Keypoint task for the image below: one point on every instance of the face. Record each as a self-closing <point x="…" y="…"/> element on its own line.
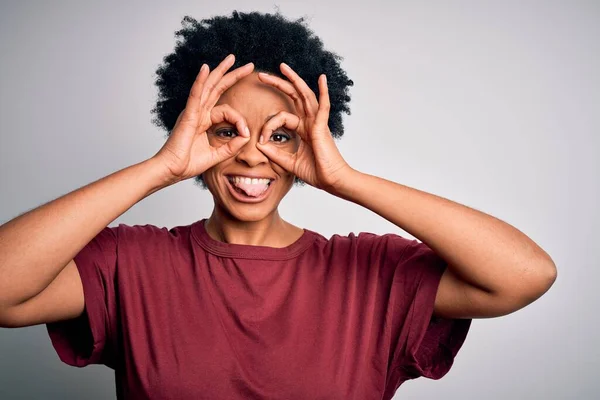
<point x="228" y="181"/>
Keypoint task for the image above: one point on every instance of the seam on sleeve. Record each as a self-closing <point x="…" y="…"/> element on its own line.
<point x="109" y="326"/>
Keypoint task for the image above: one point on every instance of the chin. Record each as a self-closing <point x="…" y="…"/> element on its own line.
<point x="248" y="214"/>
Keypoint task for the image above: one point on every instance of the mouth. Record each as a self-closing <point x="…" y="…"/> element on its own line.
<point x="249" y="190"/>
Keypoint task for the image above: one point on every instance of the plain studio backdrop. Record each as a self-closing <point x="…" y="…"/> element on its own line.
<point x="494" y="105"/>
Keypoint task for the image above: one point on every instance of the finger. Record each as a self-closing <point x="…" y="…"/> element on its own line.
<point x="308" y="96"/>
<point x="281" y="119"/>
<point x="215" y="76"/>
<point x="179" y="117"/>
<point x="229" y="149"/>
<point x="224" y="112"/>
<point x="191" y="107"/>
<point x="280" y="157"/>
<point x="322" y="117"/>
<point x="228" y="81"/>
<point x="286" y="87"/>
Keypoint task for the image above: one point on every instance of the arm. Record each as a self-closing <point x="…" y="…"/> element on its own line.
<point x="36" y="246"/>
<point x="493" y="268"/>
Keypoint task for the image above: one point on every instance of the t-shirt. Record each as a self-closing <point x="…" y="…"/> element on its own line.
<point x="180" y="315"/>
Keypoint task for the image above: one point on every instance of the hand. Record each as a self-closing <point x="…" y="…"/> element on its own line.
<point x="317" y="161"/>
<point x="187" y="153"/>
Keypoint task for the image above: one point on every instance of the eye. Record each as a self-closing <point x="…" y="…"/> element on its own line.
<point x="280" y="137"/>
<point x="228" y="133"/>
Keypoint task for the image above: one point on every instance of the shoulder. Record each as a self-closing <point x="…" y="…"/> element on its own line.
<point x="365" y="238"/>
<point x="388" y="244"/>
<point x="149" y="234"/>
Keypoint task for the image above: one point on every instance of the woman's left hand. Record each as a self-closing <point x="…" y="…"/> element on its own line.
<point x="317" y="161"/>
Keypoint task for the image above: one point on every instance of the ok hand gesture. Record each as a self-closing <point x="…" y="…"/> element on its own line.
<point x="187" y="153"/>
<point x="317" y="161"/>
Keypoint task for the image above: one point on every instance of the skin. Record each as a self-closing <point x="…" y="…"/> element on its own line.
<point x="493" y="268"/>
<point x="256" y="224"/>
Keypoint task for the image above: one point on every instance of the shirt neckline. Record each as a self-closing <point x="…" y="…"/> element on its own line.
<point x="249" y="251"/>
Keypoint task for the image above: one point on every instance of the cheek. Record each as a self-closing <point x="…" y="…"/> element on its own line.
<point x="210" y="177"/>
<point x="208" y="182"/>
<point x="290" y="147"/>
<point x="286" y="180"/>
<point x="283" y="174"/>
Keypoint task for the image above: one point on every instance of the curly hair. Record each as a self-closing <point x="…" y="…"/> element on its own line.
<point x="264" y="39"/>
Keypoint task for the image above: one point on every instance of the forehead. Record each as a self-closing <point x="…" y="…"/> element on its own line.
<point x="253" y="98"/>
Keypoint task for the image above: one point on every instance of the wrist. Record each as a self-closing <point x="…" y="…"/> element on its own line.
<point x="161" y="176"/>
<point x="346" y="185"/>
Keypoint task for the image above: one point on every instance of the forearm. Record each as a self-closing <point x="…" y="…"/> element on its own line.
<point x="481" y="249"/>
<point x="36" y="246"/>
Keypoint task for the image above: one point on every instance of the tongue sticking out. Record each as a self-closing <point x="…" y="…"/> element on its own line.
<point x="250" y="189"/>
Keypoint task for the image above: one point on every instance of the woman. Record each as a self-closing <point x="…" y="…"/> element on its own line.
<point x="244" y="305"/>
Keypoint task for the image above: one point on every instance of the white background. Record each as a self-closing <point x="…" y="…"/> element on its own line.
<point x="494" y="105"/>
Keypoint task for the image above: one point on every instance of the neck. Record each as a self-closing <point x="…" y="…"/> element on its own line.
<point x="272" y="231"/>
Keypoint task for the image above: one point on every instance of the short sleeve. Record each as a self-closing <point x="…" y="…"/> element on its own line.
<point x="424" y="344"/>
<point x="90" y="338"/>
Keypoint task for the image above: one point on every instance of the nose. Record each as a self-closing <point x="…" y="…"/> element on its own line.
<point x="249" y="154"/>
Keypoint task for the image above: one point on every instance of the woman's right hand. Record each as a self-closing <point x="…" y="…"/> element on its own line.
<point x="187" y="152"/>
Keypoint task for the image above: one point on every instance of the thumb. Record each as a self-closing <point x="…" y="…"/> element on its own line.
<point x="230" y="148"/>
<point x="282" y="158"/>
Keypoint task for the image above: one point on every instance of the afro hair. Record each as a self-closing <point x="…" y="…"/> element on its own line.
<point x="267" y="40"/>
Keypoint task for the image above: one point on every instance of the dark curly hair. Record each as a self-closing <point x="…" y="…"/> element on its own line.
<point x="264" y="39"/>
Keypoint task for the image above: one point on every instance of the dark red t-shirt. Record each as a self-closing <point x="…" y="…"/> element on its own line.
<point x="179" y="315"/>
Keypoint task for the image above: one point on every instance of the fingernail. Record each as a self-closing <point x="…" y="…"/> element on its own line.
<point x="247" y="131"/>
<point x="262" y="74"/>
<point x="285" y="65"/>
<point x="229" y="57"/>
<point x="262" y="140"/>
<point x="324" y="78"/>
<point x="203" y="67"/>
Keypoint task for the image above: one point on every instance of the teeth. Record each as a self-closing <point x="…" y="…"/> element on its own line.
<point x="249" y="181"/>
